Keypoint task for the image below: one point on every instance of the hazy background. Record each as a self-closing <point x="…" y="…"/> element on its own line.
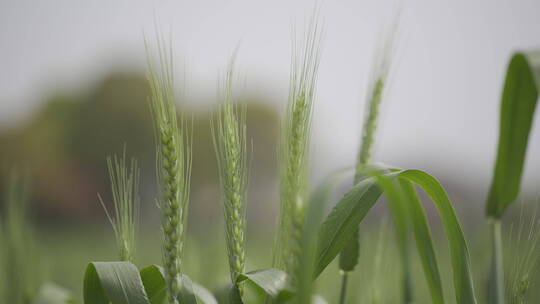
<point x="72" y="90"/>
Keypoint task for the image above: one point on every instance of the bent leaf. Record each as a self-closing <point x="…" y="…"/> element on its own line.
<point x="349" y="212"/>
<point x="343" y="220"/>
<point x="154" y="283"/>
<point x="519" y="98"/>
<point x="399" y="210"/>
<point x="260" y="283"/>
<point x="312" y="223"/>
<point x="459" y="251"/>
<point x="113" y="282"/>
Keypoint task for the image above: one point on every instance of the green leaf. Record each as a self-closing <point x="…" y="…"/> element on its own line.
<point x="259" y="283"/>
<point x="153" y="278"/>
<point x="187" y="295"/>
<point x="459" y="252"/>
<point x="349" y="212"/>
<point x="154" y="284"/>
<point x="113" y="282"/>
<point x="348" y="258"/>
<point x="312" y="223"/>
<point x="398" y="208"/>
<point x="404" y="203"/>
<point x="51" y="293"/>
<point x="343" y="220"/>
<point x="203" y="295"/>
<point x="519" y="98"/>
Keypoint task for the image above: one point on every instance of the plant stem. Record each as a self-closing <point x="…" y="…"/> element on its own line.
<point x="497" y="270"/>
<point x="343" y="291"/>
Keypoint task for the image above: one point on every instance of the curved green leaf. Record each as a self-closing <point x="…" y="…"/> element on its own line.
<point x="519" y="98"/>
<point x="187" y="295"/>
<point x="154" y="283"/>
<point x="312" y="223"/>
<point x="459" y="252"/>
<point x="113" y="282"/>
<point x="203" y="295"/>
<point x="398" y="207"/>
<point x="349" y="212"/>
<point x="343" y="220"/>
<point x="260" y="283"/>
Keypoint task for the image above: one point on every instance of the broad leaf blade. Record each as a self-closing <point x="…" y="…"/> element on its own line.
<point x="113" y="282"/>
<point x="312" y="223"/>
<point x="154" y="284"/>
<point x="343" y="220"/>
<point x="519" y="98"/>
<point x="263" y="282"/>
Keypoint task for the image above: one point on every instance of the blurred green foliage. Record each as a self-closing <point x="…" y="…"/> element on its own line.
<point x="64" y="146"/>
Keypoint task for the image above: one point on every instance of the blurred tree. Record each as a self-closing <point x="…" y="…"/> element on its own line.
<point x="65" y="144"/>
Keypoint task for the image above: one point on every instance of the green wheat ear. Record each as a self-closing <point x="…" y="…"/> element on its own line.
<point x="229" y="136"/>
<point x="173" y="167"/>
<point x="294" y="148"/>
<point x="377" y="86"/>
<point x="125" y="181"/>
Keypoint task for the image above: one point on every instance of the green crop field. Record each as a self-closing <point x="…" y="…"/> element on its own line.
<point x="319" y="251"/>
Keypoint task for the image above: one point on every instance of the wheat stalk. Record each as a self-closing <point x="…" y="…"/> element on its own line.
<point x="375" y="93"/>
<point x="295" y="139"/>
<point x="125" y="182"/>
<point x="173" y="168"/>
<point x="229" y="136"/>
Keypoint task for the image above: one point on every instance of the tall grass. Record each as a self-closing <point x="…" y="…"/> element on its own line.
<point x="173" y="167"/>
<point x="229" y="136"/>
<point x="294" y="149"/>
<point x="20" y="269"/>
<point x="125" y="193"/>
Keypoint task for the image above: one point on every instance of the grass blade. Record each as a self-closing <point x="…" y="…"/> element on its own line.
<point x="341" y="223"/>
<point x="459" y="252"/>
<point x="404" y="204"/>
<point x="314" y="218"/>
<point x="399" y="210"/>
<point x="263" y="282"/>
<point x="518" y="104"/>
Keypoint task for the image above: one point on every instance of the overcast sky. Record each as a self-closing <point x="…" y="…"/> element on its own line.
<point x="442" y="112"/>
